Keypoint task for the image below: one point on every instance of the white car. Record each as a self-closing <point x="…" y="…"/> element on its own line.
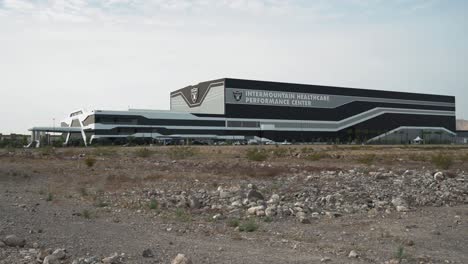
<point x="252" y="142"/>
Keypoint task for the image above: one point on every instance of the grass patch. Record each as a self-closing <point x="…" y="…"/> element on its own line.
<point x="143" y="153"/>
<point x="153" y="204"/>
<point x="90" y="161"/>
<point x="47" y="151"/>
<point x="316" y="156"/>
<point x="181" y="152"/>
<point x="280" y="152"/>
<point x="83" y="191"/>
<point x="182" y="215"/>
<point x="233" y="222"/>
<point x="101" y="204"/>
<point x="50" y="197"/>
<point x="442" y="161"/>
<point x="306" y="150"/>
<point x="86" y="214"/>
<point x="255" y="154"/>
<point x="400" y="253"/>
<point x="464" y="157"/>
<point x="104" y="151"/>
<point x="417" y="157"/>
<point x="248" y="226"/>
<point x="268" y="219"/>
<point x="367" y="159"/>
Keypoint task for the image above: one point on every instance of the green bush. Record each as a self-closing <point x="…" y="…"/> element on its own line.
<point x="50" y="197"/>
<point x="90" y="161"/>
<point x="57" y="143"/>
<point x="442" y="161"/>
<point x="181" y="152"/>
<point x="256" y="154"/>
<point x="153" y="204"/>
<point x="248" y="226"/>
<point x="143" y="153"/>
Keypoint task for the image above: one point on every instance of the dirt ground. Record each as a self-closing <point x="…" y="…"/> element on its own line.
<point x="317" y="204"/>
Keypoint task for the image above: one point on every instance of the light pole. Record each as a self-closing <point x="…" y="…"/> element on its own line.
<point x="53" y="130"/>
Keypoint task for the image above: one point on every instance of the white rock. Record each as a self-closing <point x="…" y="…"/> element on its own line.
<point x="275" y="198"/>
<point x="60" y="253"/>
<point x="253" y="210"/>
<point x="181" y="259"/>
<point x="51" y="259"/>
<point x="399" y="202"/>
<point x="236" y="204"/>
<point x="218" y="217"/>
<point x="113" y="259"/>
<point x="270" y="211"/>
<point x="224" y="194"/>
<point x="401" y="208"/>
<point x="439" y="176"/>
<point x="353" y="254"/>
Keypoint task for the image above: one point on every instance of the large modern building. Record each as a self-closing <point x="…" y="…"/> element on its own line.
<point x="235" y="109"/>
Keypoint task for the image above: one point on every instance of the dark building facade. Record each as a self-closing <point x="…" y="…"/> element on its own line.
<point x="239" y="109"/>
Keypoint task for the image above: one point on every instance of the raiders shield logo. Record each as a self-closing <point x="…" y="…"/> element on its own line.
<point x="237" y="95"/>
<point x="194" y="94"/>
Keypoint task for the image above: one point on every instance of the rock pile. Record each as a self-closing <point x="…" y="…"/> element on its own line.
<point x="305" y="196"/>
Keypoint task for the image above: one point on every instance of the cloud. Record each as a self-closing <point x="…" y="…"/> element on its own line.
<point x="114" y="53"/>
<point x="142" y="10"/>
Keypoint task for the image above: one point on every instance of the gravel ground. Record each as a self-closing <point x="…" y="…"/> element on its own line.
<point x="343" y="205"/>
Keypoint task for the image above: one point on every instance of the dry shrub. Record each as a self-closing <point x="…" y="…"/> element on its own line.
<point x="90" y="161"/>
<point x="153" y="177"/>
<point x="367" y="159"/>
<point x="248" y="226"/>
<point x="181" y="152"/>
<point x="115" y="182"/>
<point x="255" y="154"/>
<point x="464" y="157"/>
<point x="417" y="157"/>
<point x="316" y="156"/>
<point x="266" y="172"/>
<point x="143" y="153"/>
<point x="442" y="161"/>
<point x="105" y="151"/>
<point x="280" y="152"/>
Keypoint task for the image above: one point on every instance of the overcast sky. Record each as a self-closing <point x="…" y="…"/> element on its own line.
<point x="60" y="55"/>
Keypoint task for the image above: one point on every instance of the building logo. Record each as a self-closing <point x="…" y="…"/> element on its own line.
<point x="194" y="94"/>
<point x="237" y="95"/>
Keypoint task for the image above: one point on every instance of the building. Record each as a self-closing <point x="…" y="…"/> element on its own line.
<point x="236" y="109"/>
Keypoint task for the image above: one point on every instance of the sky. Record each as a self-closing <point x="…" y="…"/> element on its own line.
<point x="57" y="56"/>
